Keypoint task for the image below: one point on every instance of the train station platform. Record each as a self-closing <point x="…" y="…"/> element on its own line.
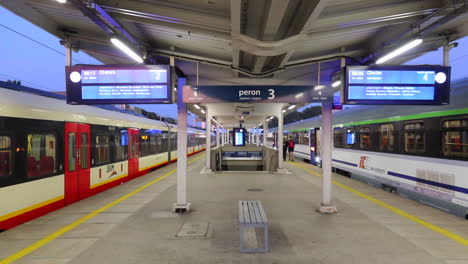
<point x="133" y="223"/>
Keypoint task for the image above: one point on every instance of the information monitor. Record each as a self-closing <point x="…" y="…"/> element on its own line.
<point x="397" y="85"/>
<point x="110" y="84"/>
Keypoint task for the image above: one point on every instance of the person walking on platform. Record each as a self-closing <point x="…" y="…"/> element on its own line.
<point x="285" y="148"/>
<point x="291" y="145"/>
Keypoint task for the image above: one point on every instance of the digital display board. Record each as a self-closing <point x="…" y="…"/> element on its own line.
<point x="118" y="84"/>
<point x="239" y="137"/>
<point x="399" y="85"/>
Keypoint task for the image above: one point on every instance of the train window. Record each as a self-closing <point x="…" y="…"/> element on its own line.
<point x="71" y="151"/>
<point x="102" y="150"/>
<point x="387" y="137"/>
<point x="144" y="144"/>
<point x="455" y="138"/>
<point x="365" y="138"/>
<point x="120" y="143"/>
<point x="133" y="146"/>
<point x="6" y="167"/>
<point x="41" y="155"/>
<point x="174" y="141"/>
<point x="84" y="151"/>
<point x="415" y="137"/>
<point x="338" y="137"/>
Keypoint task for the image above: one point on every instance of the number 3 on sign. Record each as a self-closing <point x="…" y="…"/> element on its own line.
<point x="271" y="94"/>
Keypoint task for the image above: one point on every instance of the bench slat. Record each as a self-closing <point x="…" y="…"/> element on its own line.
<point x="241" y="212"/>
<point x="246" y="213"/>
<point x="253" y="219"/>
<point x="258" y="216"/>
<point x="262" y="213"/>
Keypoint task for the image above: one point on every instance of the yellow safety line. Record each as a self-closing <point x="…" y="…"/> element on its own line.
<point x="69" y="227"/>
<point x="400" y="212"/>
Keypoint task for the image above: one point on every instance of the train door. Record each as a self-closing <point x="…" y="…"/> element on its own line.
<point x="314" y="144"/>
<point x="133" y="152"/>
<point x="77" y="161"/>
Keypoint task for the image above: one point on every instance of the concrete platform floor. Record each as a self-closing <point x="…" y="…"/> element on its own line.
<point x="142" y="229"/>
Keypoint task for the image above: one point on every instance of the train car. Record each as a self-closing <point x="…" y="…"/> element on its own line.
<point x="53" y="154"/>
<point x="420" y="152"/>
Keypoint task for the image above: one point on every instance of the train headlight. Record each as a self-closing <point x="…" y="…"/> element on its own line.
<point x="312" y="149"/>
<point x="317" y="159"/>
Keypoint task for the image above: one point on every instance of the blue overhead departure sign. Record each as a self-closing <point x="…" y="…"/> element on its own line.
<point x="257" y="94"/>
<point x="118" y="84"/>
<point x="402" y="85"/>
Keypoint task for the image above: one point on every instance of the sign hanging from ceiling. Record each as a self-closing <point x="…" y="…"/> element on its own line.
<point x="397" y="85"/>
<point x="118" y="84"/>
<point x="257" y="94"/>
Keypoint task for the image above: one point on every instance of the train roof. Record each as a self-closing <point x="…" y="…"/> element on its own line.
<point x="370" y="113"/>
<point x="24" y="102"/>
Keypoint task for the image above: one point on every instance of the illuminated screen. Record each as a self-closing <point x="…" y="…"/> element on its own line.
<point x="118" y="84"/>
<point x="239" y="137"/>
<point x="350" y="138"/>
<point x="426" y="84"/>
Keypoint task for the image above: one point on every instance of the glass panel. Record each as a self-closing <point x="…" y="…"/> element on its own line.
<point x="5" y="156"/>
<point x="338" y="137"/>
<point x="387" y="138"/>
<point x="71" y="152"/>
<point x="455" y="143"/>
<point x="41" y="154"/>
<point x="102" y="150"/>
<point x="84" y="151"/>
<point x="365" y="138"/>
<point x="415" y="138"/>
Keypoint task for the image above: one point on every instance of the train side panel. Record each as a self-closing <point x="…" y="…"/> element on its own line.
<point x="32" y="199"/>
<point x="438" y="182"/>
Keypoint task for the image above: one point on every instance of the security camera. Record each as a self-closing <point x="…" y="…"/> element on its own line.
<point x="455" y="44"/>
<point x="62" y="42"/>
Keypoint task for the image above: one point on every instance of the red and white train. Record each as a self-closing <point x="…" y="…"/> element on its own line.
<point x="53" y="154"/>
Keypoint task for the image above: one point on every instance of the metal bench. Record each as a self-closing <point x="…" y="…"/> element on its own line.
<point x="252" y="215"/>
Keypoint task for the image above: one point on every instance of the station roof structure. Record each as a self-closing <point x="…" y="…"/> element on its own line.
<point x="249" y="42"/>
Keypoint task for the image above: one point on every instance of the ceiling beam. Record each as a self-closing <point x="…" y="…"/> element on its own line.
<point x="236" y="20"/>
<point x="309" y="23"/>
<point x="168" y="14"/>
<point x="275" y="14"/>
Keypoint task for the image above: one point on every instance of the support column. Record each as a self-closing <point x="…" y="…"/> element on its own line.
<point x="217" y="135"/>
<point x="257" y="134"/>
<point x="68" y="56"/>
<point x="181" y="206"/>
<point x="280" y="140"/>
<point x="208" y="140"/>
<point x="265" y="128"/>
<point x="446" y="55"/>
<point x="327" y="206"/>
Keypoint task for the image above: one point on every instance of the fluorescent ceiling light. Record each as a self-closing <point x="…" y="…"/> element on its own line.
<point x="62" y="1"/>
<point x="291" y="107"/>
<point x="126" y="50"/>
<point x="283" y="111"/>
<point x="203" y="111"/>
<point x="196" y="106"/>
<point x="399" y="51"/>
<point x="337" y="83"/>
<point x="299" y="95"/>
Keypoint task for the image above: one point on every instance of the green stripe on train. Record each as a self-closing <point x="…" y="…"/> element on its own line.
<point x="409" y="117"/>
<point x="397" y="118"/>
